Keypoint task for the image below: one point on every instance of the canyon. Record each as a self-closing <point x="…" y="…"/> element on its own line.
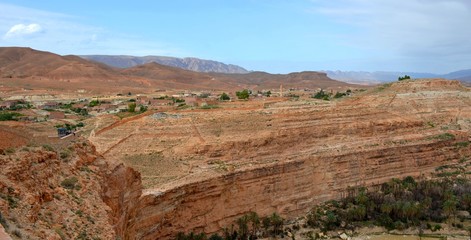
<point x="202" y="169"/>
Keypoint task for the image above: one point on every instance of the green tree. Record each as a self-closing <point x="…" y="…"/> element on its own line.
<point x="244" y="94"/>
<point x="224" y="97"/>
<point x="131" y="107"/>
<point x="242" y="223"/>
<point x="403" y="78"/>
<point x="321" y="95"/>
<point x="94" y="103"/>
<point x="277" y="223"/>
<point x="449" y="207"/>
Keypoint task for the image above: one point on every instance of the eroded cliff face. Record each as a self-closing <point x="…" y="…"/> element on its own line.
<point x="289" y="188"/>
<point x="53" y="192"/>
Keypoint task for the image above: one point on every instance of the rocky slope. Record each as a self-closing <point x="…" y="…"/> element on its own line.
<point x="54" y="192"/>
<point x="193" y="64"/>
<point x="203" y="169"/>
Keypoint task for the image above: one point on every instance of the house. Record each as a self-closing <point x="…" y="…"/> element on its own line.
<point x="160" y="102"/>
<point x="142" y="100"/>
<point x="50" y="105"/>
<point x="192" y="101"/>
<point x="206" y="102"/>
<point x="103" y="108"/>
<point x="61" y="132"/>
<point x="56" y="115"/>
<point x="4" y="105"/>
<point x="79" y="105"/>
<point x="9" y="104"/>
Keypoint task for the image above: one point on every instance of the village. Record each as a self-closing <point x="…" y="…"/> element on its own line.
<point x="72" y="111"/>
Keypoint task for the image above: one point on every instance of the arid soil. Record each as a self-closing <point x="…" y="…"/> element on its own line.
<point x="202" y="169"/>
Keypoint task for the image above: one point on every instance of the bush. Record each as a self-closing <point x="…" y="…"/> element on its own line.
<point x="69" y="183"/>
<point x="403" y="78"/>
<point x="244" y="94"/>
<point x="3" y="221"/>
<point x="132" y="107"/>
<point x="17" y="233"/>
<point x="224" y="97"/>
<point x="64" y="154"/>
<point x="8" y="116"/>
<point x="321" y="95"/>
<point x="94" y="103"/>
<point x="48" y="148"/>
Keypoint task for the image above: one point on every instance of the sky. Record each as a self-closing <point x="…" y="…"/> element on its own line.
<point x="276" y="36"/>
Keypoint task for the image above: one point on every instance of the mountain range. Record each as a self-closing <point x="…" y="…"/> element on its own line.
<point x="209" y="66"/>
<point x="22" y="68"/>
<point x="193" y="64"/>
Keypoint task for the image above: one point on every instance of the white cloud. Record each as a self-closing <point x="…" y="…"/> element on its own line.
<point x="19" y="30"/>
<point x="68" y="34"/>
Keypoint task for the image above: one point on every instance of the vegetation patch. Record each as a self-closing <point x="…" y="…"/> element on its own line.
<point x="9" y="116"/>
<point x="443" y="137"/>
<point x="462" y="144"/>
<point x="69" y="183"/>
<point x="209" y="106"/>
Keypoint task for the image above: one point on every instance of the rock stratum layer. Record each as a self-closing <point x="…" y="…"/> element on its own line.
<point x="203" y="169"/>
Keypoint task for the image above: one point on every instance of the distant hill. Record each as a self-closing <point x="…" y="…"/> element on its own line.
<point x="263" y="80"/>
<point x="17" y="62"/>
<point x="361" y="77"/>
<point x="32" y="69"/>
<point x="192" y="64"/>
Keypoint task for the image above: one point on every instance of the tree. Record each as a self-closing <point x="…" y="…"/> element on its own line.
<point x="94" y="103"/>
<point x="131" y="107"/>
<point x="244" y="94"/>
<point x="321" y="95"/>
<point x="449" y="207"/>
<point x="142" y="108"/>
<point x="403" y="78"/>
<point x="224" y="97"/>
<point x="277" y="223"/>
<point x="242" y="223"/>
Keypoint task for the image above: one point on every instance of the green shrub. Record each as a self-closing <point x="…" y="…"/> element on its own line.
<point x="403" y="78"/>
<point x="8" y="116"/>
<point x="17" y="233"/>
<point x="3" y="221"/>
<point x="462" y="144"/>
<point x="321" y="95"/>
<point x="48" y="147"/>
<point x="244" y="94"/>
<point x="64" y="154"/>
<point x="224" y="97"/>
<point x="69" y="183"/>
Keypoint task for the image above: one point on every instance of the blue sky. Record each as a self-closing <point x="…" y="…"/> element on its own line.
<point x="277" y="36"/>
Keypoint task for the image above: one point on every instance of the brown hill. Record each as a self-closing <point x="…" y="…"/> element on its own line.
<point x="18" y="62"/>
<point x="263" y="80"/>
<point x="29" y="68"/>
<point x="172" y="77"/>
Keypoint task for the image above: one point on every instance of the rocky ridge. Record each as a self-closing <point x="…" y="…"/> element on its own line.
<point x="193" y="64"/>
